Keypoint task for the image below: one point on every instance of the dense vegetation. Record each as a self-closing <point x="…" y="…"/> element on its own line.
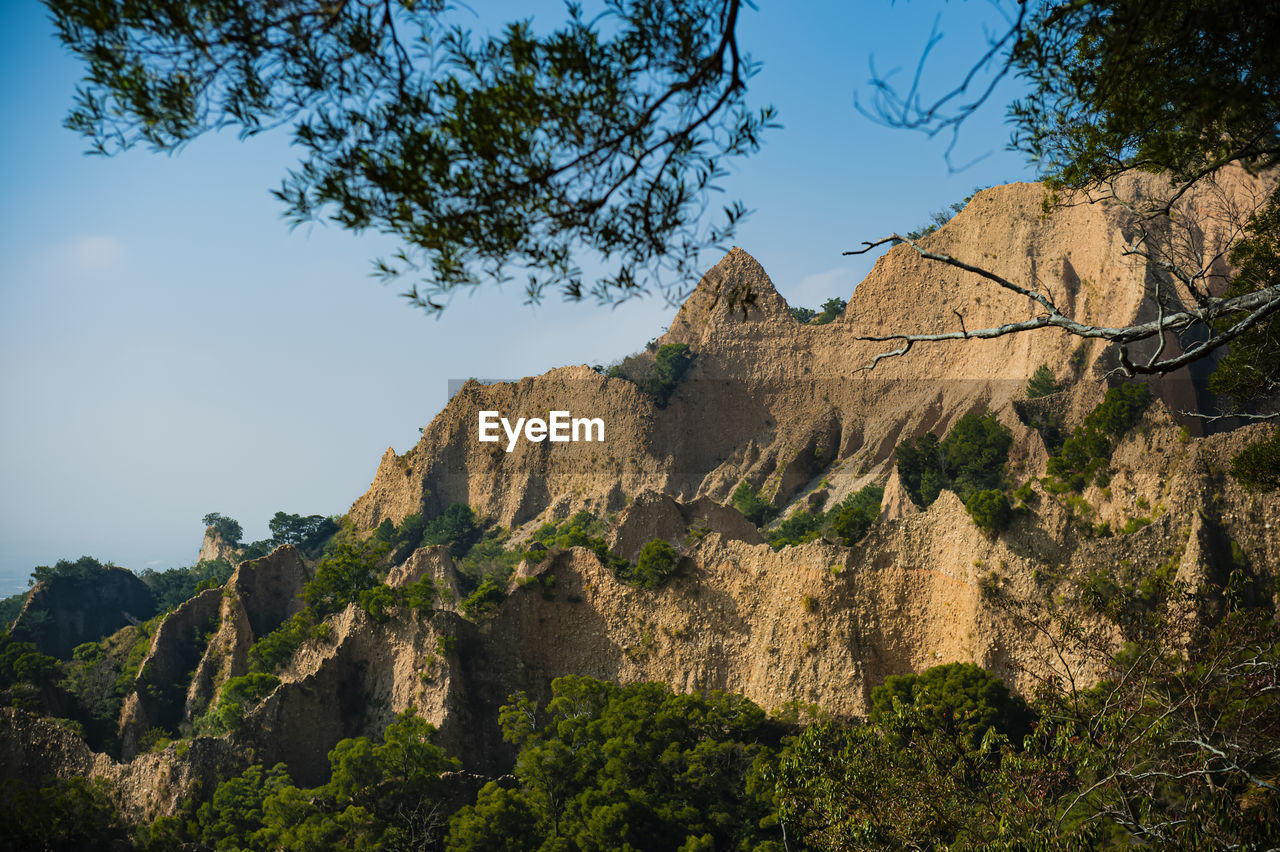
<point x="657" y="371"/>
<point x="1086" y="455"/>
<point x="970" y="461"/>
<point x="846" y="522"/>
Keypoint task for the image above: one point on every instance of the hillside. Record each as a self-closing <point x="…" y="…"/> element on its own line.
<point x="768" y="401"/>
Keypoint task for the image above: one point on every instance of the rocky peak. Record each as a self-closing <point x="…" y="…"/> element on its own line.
<point x="733" y="294"/>
<point x="215" y="547"/>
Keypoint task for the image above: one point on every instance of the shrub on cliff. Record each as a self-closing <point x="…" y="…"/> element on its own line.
<point x="970" y="458"/>
<point x="752" y="506"/>
<point x="990" y="510"/>
<point x="1085" y="455"/>
<point x="657" y="562"/>
<point x="853" y="517"/>
<point x="456" y="526"/>
<point x="1042" y="383"/>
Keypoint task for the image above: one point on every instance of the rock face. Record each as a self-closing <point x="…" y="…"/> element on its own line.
<point x="159" y="699"/>
<point x="657" y="516"/>
<point x="781" y="404"/>
<point x="214" y="547"/>
<point x="64" y="612"/>
<point x="259" y="597"/>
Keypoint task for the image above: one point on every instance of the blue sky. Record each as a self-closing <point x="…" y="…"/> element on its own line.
<point x="168" y="347"/>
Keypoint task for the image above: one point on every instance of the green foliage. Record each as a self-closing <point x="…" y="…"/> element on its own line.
<point x="832" y="309"/>
<point x="1251" y="368"/>
<point x="921" y="468"/>
<point x="936" y="220"/>
<point x="656" y="375"/>
<point x="488" y="558"/>
<point x="379" y="796"/>
<point x="749" y="502"/>
<point x="74" y="813"/>
<point x="82" y="569"/>
<point x="481" y="155"/>
<point x="227" y="529"/>
<point x="1042" y="383"/>
<point x="272" y="652"/>
<point x="1257" y="466"/>
<point x="627" y="767"/>
<point x="1134" y="524"/>
<point x="974" y="453"/>
<point x="240" y="694"/>
<point x="803" y="315"/>
<point x="1085" y="455"/>
<point x="799" y="527"/>
<point x="484" y="600"/>
<point x="455" y="527"/>
<point x="378" y="602"/>
<point x="1114" y="88"/>
<point x="349" y="568"/>
<point x="20" y="662"/>
<point x="670" y="364"/>
<point x="308" y="534"/>
<point x="970" y="458"/>
<point x="657" y="561"/>
<point x="990" y="510"/>
<point x="174" y="586"/>
<point x="853" y="517"/>
<point x="9" y="609"/>
<point x="958" y="699"/>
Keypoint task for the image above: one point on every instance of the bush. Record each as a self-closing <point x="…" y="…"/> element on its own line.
<point x="456" y="527"/>
<point x="1084" y="456"/>
<point x="483" y="600"/>
<point x="657" y="561"/>
<point x="1042" y="383"/>
<point x="851" y="519"/>
<point x="958" y="698"/>
<point x="1257" y="466"/>
<point x="990" y="510"/>
<point x="273" y="651"/>
<point x="800" y="527"/>
<point x="748" y="501"/>
<point x="970" y="458"/>
<point x="669" y="367"/>
<point x="227" y="529"/>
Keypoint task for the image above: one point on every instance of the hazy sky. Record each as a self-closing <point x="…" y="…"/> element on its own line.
<point x="169" y="348"/>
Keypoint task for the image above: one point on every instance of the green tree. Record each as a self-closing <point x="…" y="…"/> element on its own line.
<point x="831" y="309"/>
<point x="351" y="567"/>
<point x="657" y="561"/>
<point x="990" y="510"/>
<point x="974" y="453"/>
<point x="614" y="767"/>
<point x="851" y="519"/>
<point x="1042" y="383"/>
<point x="669" y="366"/>
<point x="1257" y="467"/>
<point x="304" y="533"/>
<point x="753" y="507"/>
<point x="455" y="527"/>
<point x="228" y="529"/>
<point x="959" y="699"/>
<point x="970" y="458"/>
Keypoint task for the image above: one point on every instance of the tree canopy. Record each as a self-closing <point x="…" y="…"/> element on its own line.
<point x="483" y="156"/>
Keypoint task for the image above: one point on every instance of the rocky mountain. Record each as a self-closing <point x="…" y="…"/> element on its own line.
<point x="783" y="406"/>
